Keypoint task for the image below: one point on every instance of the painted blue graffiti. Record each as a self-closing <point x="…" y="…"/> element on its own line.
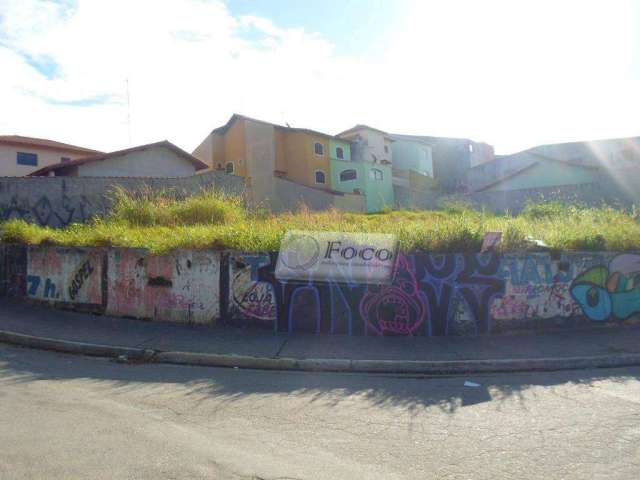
<point x="33" y="283"/>
<point x="425" y="298"/>
<point x="612" y="292"/>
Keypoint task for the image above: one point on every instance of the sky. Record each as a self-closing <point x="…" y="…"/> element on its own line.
<point x="117" y="73"/>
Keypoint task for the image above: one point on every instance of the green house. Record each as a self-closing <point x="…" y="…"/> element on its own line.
<point x="371" y="179"/>
<point x="544" y="172"/>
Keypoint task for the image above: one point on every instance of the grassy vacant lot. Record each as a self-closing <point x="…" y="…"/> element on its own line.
<point x="211" y="220"/>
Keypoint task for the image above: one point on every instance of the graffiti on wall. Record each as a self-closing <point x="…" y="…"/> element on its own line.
<point x="249" y="295"/>
<point x="430" y="294"/>
<point x="49" y="290"/>
<point x="538" y="287"/>
<point x="610" y="291"/>
<point x="82" y="274"/>
<point x="460" y="290"/>
<point x="58" y="212"/>
<point x="399" y="308"/>
<point x="180" y="287"/>
<point x="65" y="275"/>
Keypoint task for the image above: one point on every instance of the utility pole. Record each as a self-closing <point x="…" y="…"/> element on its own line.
<point x="128" y="112"/>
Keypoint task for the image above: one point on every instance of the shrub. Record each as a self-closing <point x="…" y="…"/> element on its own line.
<point x="147" y="209"/>
<point x="162" y="222"/>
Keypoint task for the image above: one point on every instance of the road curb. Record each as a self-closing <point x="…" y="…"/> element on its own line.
<point x="69" y="346"/>
<point x="425" y="367"/>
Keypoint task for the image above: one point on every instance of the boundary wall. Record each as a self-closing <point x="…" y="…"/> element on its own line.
<point x="431" y="294"/>
<point x="60" y="201"/>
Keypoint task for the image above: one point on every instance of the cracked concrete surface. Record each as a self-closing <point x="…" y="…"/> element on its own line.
<point x="74" y="417"/>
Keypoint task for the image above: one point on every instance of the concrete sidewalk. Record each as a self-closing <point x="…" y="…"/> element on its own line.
<point x="41" y="327"/>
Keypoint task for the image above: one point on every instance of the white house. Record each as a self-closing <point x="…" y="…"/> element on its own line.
<point x="369" y="144"/>
<point x="20" y="156"/>
<point x="161" y="159"/>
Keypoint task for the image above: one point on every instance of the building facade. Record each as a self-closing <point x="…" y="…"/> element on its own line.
<point x="160" y="160"/>
<point x="20" y="156"/>
<point x="255" y="149"/>
<point x="451" y="159"/>
<point x="279" y="162"/>
<point x="618" y="158"/>
<point x="412" y="155"/>
<point x="369" y="170"/>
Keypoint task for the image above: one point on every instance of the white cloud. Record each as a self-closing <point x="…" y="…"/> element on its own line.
<point x="510" y="73"/>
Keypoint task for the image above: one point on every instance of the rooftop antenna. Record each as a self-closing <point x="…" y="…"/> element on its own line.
<point x="128" y="112"/>
<point x="284" y="117"/>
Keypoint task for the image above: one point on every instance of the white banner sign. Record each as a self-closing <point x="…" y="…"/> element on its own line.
<point x="337" y="257"/>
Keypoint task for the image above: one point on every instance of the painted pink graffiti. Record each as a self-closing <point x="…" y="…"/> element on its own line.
<point x="399" y="308"/>
<point x="177" y="301"/>
<point x="254" y="299"/>
<point x="535" y="301"/>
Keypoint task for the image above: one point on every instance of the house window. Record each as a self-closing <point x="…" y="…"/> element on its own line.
<point x="340" y="153"/>
<point x="230" y="167"/>
<point x="386" y="149"/>
<point x="347" y="175"/>
<point x="320" y="178"/>
<point x="30" y="159"/>
<point x="375" y="174"/>
<point x="64" y="159"/>
<point x="318" y="148"/>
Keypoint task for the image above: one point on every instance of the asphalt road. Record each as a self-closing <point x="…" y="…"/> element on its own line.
<point x="74" y="417"/>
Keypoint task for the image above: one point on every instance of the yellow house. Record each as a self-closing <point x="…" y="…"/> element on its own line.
<point x="304" y="158"/>
<point x="259" y="150"/>
<point x="225" y="148"/>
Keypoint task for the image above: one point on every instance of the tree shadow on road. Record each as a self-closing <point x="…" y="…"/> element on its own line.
<point x="405" y="393"/>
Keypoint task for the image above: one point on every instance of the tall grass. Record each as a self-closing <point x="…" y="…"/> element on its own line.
<point x="162" y="222"/>
<point x="149" y="208"/>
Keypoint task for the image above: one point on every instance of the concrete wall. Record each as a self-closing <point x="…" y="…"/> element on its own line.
<point x="3" y="276"/>
<point x="290" y="196"/>
<point x="260" y="161"/>
<point x="412" y="155"/>
<point x="589" y="194"/>
<point x="451" y="163"/>
<point x="10" y="168"/>
<point x="60" y="201"/>
<point x="409" y="198"/>
<point x="181" y="287"/>
<point x="430" y="294"/>
<point x="65" y="275"/>
<point x="440" y="294"/>
<point x="150" y="162"/>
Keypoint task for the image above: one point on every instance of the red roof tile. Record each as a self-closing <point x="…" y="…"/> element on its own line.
<point x="43" y="143"/>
